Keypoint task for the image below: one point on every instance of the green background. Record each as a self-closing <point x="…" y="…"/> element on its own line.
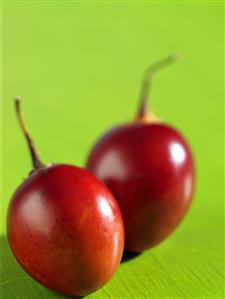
<point x="78" y="68"/>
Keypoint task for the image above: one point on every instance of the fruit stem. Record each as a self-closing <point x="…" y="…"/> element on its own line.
<point x="37" y="164"/>
<point x="147" y="82"/>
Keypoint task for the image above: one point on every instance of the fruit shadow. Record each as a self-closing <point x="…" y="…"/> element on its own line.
<point x="12" y="276"/>
<point x="127" y="256"/>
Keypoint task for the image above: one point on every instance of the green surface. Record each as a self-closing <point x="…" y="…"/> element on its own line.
<point x="78" y="68"/>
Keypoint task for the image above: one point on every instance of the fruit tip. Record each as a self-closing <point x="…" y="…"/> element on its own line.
<point x="176" y="56"/>
<point x="17" y="99"/>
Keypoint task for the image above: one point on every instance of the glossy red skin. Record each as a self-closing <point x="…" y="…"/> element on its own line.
<point x="149" y="168"/>
<point x="66" y="230"/>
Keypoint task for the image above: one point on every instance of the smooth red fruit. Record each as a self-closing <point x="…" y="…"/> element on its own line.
<point x="65" y="228"/>
<point x="149" y="168"/>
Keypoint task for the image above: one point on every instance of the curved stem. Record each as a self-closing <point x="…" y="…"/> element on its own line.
<point x="147" y="81"/>
<point x="34" y="155"/>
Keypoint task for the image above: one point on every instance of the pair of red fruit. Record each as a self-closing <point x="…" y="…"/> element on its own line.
<point x="64" y="225"/>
